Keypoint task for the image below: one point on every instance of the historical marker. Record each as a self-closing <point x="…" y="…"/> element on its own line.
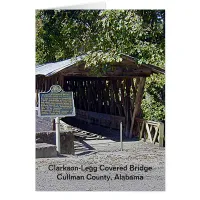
<point x="56" y="103"/>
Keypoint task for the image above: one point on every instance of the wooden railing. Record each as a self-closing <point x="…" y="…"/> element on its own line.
<point x="150" y="131"/>
<point x="102" y="119"/>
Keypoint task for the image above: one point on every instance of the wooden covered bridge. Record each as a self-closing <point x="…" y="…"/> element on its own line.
<point x="106" y="101"/>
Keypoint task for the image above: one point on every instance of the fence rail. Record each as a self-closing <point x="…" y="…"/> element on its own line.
<point x="150" y="131"/>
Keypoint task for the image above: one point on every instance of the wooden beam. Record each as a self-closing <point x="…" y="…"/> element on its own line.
<point x="102" y="77"/>
<point x="137" y="83"/>
<point x="36" y="97"/>
<point x="137" y="103"/>
<point x="161" y="135"/>
<point x="132" y="98"/>
<point x="141" y="131"/>
<point x="149" y="132"/>
<point x="156" y="134"/>
<point x="122" y="96"/>
<point x="128" y="84"/>
<point x="45" y="82"/>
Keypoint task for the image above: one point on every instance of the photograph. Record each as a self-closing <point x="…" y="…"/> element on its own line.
<point x="99" y="100"/>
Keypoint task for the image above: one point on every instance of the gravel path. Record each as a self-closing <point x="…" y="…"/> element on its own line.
<point x="101" y="154"/>
<point x="137" y="153"/>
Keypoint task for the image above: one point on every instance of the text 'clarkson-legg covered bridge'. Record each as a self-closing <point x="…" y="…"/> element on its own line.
<point x="106" y="101"/>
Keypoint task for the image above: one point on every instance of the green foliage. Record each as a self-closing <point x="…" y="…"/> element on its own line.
<point x="102" y="35"/>
<point x="153" y="105"/>
<point x="62" y="34"/>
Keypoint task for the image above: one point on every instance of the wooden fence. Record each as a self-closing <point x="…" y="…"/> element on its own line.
<point x="150" y="131"/>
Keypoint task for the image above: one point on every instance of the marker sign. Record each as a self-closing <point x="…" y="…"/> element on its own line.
<point x="56" y="103"/>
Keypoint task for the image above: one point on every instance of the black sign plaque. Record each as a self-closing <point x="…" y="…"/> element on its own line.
<point x="56" y="103"/>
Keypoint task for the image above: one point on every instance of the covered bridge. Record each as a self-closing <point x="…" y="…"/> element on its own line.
<point x="105" y="100"/>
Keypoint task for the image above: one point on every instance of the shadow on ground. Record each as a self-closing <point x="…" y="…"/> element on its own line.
<point x="81" y="148"/>
<point x="108" y="133"/>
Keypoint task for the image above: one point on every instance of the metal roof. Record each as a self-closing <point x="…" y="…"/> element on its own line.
<point x="52" y="68"/>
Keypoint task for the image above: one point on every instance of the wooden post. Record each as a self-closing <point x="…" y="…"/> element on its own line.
<point x="128" y="83"/>
<point x="36" y="83"/>
<point x="99" y="96"/>
<point x="41" y="84"/>
<point x="141" y="131"/>
<point x="50" y="82"/>
<point x="132" y="100"/>
<point x="138" y="101"/>
<point x="104" y="96"/>
<point x="84" y="98"/>
<point x="116" y="89"/>
<point x="122" y="97"/>
<point x="95" y="106"/>
<point x="36" y="97"/>
<point x="61" y="80"/>
<point x="121" y="140"/>
<point x="107" y="102"/>
<point x="53" y="124"/>
<point x="79" y="94"/>
<point x="89" y="96"/>
<point x="45" y="82"/>
<point x="111" y="98"/>
<point x="137" y="82"/>
<point x="161" y="135"/>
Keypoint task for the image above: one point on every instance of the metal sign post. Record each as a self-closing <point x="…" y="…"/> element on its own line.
<point x="57" y="121"/>
<point x="121" y="136"/>
<point x="56" y="103"/>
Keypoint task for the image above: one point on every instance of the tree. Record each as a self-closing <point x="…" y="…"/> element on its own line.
<point x="102" y="35"/>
